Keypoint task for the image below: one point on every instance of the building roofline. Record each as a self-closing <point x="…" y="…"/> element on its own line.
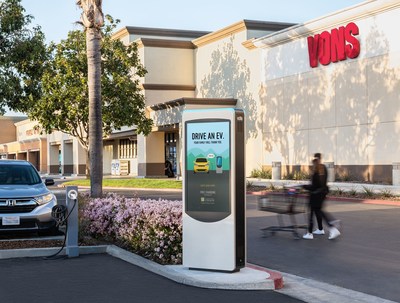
<point x="162" y="32"/>
<point x="165" y="43"/>
<point x="349" y="14"/>
<point x="194" y="101"/>
<point x="238" y="27"/>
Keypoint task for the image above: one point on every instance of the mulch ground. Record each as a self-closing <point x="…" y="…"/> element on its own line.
<point x="7" y="242"/>
<point x="30" y="244"/>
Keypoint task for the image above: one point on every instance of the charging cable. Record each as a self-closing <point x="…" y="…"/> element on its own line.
<point x="61" y="215"/>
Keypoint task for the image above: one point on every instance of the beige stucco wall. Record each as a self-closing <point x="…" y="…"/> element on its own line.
<point x="27" y="130"/>
<point x="225" y="68"/>
<point x="169" y="65"/>
<point x="349" y="111"/>
<point x="7" y="129"/>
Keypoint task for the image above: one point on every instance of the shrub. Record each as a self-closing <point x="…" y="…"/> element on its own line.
<point x="261" y="173"/>
<point x="151" y="228"/>
<point x="387" y="193"/>
<point x="368" y="192"/>
<point x="296" y="175"/>
<point x="344" y="177"/>
<point x="353" y="192"/>
<point x="255" y="173"/>
<point x="337" y="192"/>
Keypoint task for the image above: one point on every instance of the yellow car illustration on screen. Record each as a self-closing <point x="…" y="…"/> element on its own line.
<point x="201" y="165"/>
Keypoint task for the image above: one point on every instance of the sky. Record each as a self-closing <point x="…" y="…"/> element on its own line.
<point x="58" y="17"/>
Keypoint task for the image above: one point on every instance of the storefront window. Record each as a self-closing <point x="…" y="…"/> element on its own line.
<point x="127" y="148"/>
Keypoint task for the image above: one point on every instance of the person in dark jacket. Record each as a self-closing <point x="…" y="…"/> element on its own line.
<point x="318" y="190"/>
<point x="168" y="169"/>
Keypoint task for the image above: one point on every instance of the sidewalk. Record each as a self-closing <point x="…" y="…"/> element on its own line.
<point x="345" y="186"/>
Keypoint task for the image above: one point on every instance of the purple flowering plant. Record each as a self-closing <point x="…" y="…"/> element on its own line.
<point x="150" y="228"/>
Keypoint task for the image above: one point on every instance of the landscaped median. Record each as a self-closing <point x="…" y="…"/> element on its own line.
<point x="150" y="228"/>
<point x="131" y="183"/>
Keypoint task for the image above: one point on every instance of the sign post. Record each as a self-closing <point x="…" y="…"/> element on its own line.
<point x="214" y="190"/>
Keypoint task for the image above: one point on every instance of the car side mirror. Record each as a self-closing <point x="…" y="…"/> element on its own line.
<point x="48" y="181"/>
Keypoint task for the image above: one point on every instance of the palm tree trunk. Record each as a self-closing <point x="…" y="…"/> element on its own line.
<point x="93" y="47"/>
<point x="92" y="18"/>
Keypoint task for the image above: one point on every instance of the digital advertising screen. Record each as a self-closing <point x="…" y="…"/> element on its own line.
<point x="208" y="169"/>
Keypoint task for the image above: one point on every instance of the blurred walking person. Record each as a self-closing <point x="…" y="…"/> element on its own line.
<point x="318" y="190"/>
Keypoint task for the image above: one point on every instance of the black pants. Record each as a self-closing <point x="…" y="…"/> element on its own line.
<point x="320" y="215"/>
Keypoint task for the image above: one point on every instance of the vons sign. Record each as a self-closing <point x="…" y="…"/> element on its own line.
<point x="337" y="45"/>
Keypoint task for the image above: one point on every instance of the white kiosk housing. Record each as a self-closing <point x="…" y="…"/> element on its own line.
<point x="214" y="233"/>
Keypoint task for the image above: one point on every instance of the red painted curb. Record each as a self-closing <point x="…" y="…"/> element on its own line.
<point x="273" y="275"/>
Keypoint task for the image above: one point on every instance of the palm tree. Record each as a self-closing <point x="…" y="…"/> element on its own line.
<point x="93" y="19"/>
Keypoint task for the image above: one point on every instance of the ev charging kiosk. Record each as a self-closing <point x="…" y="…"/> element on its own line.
<point x="214" y="232"/>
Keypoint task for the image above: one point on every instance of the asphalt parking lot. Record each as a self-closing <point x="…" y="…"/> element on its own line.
<point x="103" y="278"/>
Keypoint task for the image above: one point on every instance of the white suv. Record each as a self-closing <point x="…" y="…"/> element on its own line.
<point x="25" y="201"/>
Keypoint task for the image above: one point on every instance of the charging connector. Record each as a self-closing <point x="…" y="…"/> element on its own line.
<point x="60" y="214"/>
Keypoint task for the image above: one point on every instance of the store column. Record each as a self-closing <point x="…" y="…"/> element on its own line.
<point x="79" y="158"/>
<point x="43" y="156"/>
<point x="151" y="154"/>
<point x="67" y="161"/>
<point x="53" y="157"/>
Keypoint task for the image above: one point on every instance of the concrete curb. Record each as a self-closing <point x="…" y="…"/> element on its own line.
<point x="246" y="279"/>
<point x="249" y="278"/>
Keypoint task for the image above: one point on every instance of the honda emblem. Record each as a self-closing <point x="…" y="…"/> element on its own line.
<point x="11" y="202"/>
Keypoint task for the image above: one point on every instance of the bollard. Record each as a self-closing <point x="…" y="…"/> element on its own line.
<point x="330" y="166"/>
<point x="396" y="174"/>
<point x="72" y="222"/>
<point x="276" y="170"/>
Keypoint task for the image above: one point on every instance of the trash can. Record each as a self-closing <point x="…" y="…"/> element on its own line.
<point x="396" y="174"/>
<point x="330" y="166"/>
<point x="276" y="170"/>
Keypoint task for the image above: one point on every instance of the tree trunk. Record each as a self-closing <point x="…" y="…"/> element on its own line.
<point x="93" y="46"/>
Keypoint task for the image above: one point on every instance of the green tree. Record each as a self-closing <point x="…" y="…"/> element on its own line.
<point x="22" y="57"/>
<point x="64" y="103"/>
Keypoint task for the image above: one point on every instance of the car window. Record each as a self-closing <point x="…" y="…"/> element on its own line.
<point x="18" y="174"/>
<point x="201" y="160"/>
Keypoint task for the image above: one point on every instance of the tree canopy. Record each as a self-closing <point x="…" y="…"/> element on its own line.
<point x="22" y="57"/>
<point x="63" y="104"/>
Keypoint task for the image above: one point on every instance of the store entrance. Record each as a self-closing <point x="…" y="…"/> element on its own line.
<point x="170" y="154"/>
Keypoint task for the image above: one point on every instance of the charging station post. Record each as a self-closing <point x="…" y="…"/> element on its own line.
<point x="214" y="199"/>
<point x="72" y="248"/>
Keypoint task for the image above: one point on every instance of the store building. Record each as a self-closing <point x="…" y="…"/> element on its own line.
<point x="330" y="85"/>
<point x="191" y="69"/>
<point x="21" y="140"/>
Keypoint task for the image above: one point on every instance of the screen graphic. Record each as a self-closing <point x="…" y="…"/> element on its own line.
<point x="208" y="169"/>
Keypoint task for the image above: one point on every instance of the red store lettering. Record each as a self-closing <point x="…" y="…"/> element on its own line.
<point x="334" y="46"/>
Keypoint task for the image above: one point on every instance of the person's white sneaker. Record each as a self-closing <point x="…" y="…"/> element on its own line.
<point x="336" y="223"/>
<point x="308" y="236"/>
<point x="319" y="232"/>
<point x="333" y="233"/>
